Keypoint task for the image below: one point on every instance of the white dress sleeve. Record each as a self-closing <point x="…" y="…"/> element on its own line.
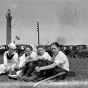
<point x="22" y="60"/>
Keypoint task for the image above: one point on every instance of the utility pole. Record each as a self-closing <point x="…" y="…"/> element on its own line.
<point x="38" y="33"/>
<point x="8" y="26"/>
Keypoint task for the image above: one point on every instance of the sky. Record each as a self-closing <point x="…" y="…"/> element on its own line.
<point x="64" y="21"/>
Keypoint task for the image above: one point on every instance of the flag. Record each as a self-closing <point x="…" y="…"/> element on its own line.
<point x="18" y="38"/>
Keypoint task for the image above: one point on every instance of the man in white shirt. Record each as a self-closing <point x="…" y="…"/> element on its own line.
<point x="59" y="59"/>
<point x="10" y="59"/>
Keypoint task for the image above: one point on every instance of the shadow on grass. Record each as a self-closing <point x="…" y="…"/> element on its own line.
<point x="71" y="74"/>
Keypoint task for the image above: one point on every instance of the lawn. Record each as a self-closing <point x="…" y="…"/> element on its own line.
<point x="77" y="65"/>
<point x="80" y="67"/>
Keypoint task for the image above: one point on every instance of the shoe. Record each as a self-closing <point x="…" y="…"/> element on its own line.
<point x="12" y="76"/>
<point x="31" y="78"/>
<point x="12" y="72"/>
<point x="21" y="78"/>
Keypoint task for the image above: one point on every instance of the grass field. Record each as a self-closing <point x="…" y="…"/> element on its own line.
<point x="77" y="65"/>
<point x="80" y="67"/>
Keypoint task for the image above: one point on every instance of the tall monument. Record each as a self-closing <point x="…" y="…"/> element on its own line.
<point x="8" y="26"/>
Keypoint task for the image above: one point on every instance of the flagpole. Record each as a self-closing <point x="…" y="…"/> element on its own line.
<point x="14" y="40"/>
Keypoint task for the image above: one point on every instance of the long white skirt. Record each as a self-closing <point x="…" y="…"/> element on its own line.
<point x="2" y="70"/>
<point x="2" y="67"/>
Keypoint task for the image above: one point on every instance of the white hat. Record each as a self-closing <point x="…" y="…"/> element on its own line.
<point x="12" y="46"/>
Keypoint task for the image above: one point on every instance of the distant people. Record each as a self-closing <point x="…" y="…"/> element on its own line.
<point x="10" y="59"/>
<point x="37" y="61"/>
<point x="58" y="64"/>
<point x="35" y="48"/>
<point x="29" y="54"/>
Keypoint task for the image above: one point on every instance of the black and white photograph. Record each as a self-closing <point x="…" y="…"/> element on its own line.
<point x="43" y="43"/>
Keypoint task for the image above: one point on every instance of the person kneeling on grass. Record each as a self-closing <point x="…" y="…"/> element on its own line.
<point x="10" y="59"/>
<point x="59" y="64"/>
<point x="29" y="54"/>
<point x="37" y="61"/>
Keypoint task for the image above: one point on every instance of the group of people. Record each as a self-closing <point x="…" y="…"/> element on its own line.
<point x="34" y="65"/>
